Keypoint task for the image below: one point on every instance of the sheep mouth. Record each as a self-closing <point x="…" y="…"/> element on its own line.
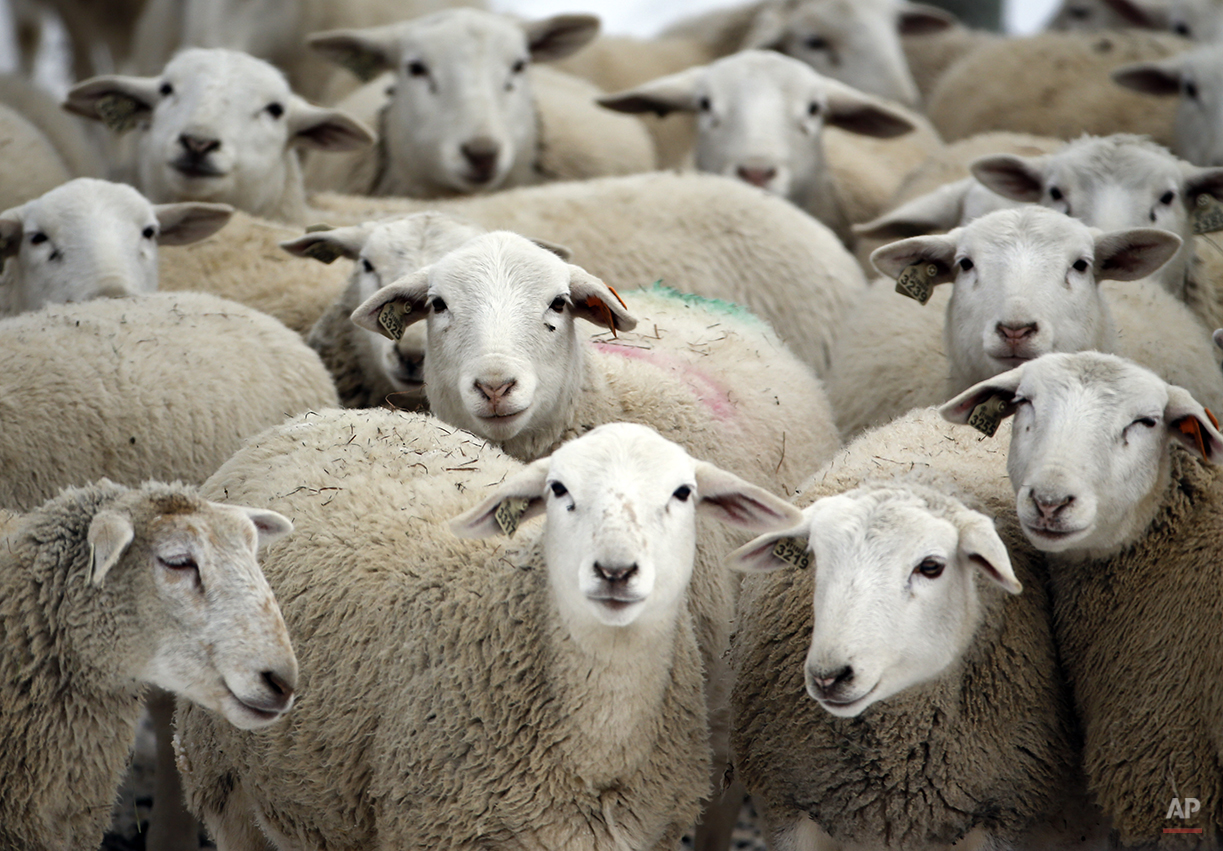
<point x="502" y="417"/>
<point x="615" y="602"/>
<point x="264" y="716"/>
<point x="1050" y="534"/>
<point x="1010" y="361"/>
<point x="841" y="705"/>
<point x="195" y="169"/>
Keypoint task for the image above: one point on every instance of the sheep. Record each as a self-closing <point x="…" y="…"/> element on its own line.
<point x="1199" y="20"/>
<point x="89" y="238"/>
<point x="1193" y="78"/>
<point x="460" y="112"/>
<point x="31" y="166"/>
<point x="1070" y="96"/>
<point x="368" y="368"/>
<point x="218" y="125"/>
<point x="937" y="705"/>
<point x="101" y="593"/>
<point x="165" y="386"/>
<point x="1102" y="486"/>
<point x="616" y="761"/>
<point x="1042" y="269"/>
<point x="1091" y="15"/>
<point x="67" y="134"/>
<point x="1124" y="181"/>
<point x="760" y="117"/>
<point x="931" y="54"/>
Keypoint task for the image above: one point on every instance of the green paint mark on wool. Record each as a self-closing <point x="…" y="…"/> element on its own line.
<point x="713" y="305"/>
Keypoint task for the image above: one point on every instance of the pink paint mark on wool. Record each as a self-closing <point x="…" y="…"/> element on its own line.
<point x="704" y="387"/>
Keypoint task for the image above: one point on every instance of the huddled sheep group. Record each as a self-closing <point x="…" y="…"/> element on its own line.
<point x="810" y="403"/>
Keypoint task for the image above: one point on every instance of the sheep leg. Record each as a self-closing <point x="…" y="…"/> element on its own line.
<point x="171" y="827"/>
<point x="719" y="818"/>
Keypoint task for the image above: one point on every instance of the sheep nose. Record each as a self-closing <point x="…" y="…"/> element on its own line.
<point x="1016" y="333"/>
<point x="617" y="573"/>
<point x="281" y="684"/>
<point x="757" y="176"/>
<point x="828" y="681"/>
<point x="481" y="154"/>
<point x="198" y="146"/>
<point x="493" y="393"/>
<point x="1050" y="507"/>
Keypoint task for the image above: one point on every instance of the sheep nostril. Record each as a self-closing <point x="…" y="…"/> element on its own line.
<point x="756" y="176"/>
<point x="617" y="573"/>
<point x="1049" y="508"/>
<point x="198" y="146"/>
<point x="1016" y="333"/>
<point x="827" y="681"/>
<point x="278" y="684"/>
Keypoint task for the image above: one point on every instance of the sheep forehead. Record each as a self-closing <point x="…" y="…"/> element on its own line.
<point x="1124" y="160"/>
<point x="224" y="536"/>
<point x="499" y="263"/>
<point x="1093" y="382"/>
<point x="87" y="204"/>
<point x="749" y="72"/>
<point x="624" y="459"/>
<point x="841" y="14"/>
<point x="456" y="34"/>
<point x="885" y="530"/>
<point x="1029" y="233"/>
<point x="418" y="239"/>
<point x="231" y="73"/>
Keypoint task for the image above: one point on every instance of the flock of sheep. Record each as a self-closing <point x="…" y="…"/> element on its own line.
<point x="917" y="566"/>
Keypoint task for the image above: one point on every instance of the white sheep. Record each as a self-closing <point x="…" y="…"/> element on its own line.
<point x="913" y="644"/>
<point x="89" y="238"/>
<point x="165" y="386"/>
<point x="69" y="135"/>
<point x="1113" y="474"/>
<point x="1026" y="283"/>
<point x="1053" y="84"/>
<point x="104" y="590"/>
<point x="31" y="164"/>
<point x="578" y="631"/>
<point x="1093" y="15"/>
<point x="760" y="118"/>
<point x="218" y="125"/>
<point x="462" y="111"/>
<point x="1195" y="79"/>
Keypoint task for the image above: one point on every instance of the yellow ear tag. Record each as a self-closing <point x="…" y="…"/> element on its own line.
<point x="917" y="281"/>
<point x="391" y="319"/>
<point x="987" y="415"/>
<point x="509" y="513"/>
<point x="119" y="112"/>
<point x="1207" y="214"/>
<point x="793" y="551"/>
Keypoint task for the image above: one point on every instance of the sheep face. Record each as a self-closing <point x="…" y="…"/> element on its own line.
<point x="219" y="125"/>
<point x="1026" y="284"/>
<point x="620" y="538"/>
<point x="896" y="602"/>
<point x="90" y="238"/>
<point x="461" y="116"/>
<point x="1112" y="183"/>
<point x="759" y="119"/>
<point x="1090" y="446"/>
<point x="1200" y="20"/>
<point x="503" y="355"/>
<point x="1196" y="78"/>
<point x="206" y="612"/>
<point x="1093" y="15"/>
<point x="854" y="41"/>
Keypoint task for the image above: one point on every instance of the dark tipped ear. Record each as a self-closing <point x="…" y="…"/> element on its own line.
<point x="934" y="212"/>
<point x="326" y="129"/>
<point x="366" y="52"/>
<point x="118" y="102"/>
<point x="1017" y="178"/>
<point x="561" y="251"/>
<point x="1162" y="79"/>
<point x="981" y="546"/>
<point x="920" y="19"/>
<point x="1137" y="15"/>
<point x="860" y="113"/>
<point x="188" y="222"/>
<point x="893" y="259"/>
<point x="1202" y="181"/>
<point x="395" y="306"/>
<point x="559" y="36"/>
<point x="1193" y="425"/>
<point x="730" y="499"/>
<point x="10" y="237"/>
<point x="1127" y="255"/>
<point x="1002" y="387"/>
<point x="326" y="246"/>
<point x="517" y="499"/>
<point x="596" y="302"/>
<point x="673" y="93"/>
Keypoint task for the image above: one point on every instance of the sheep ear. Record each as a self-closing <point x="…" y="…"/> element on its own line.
<point x="981" y="547"/>
<point x="1017" y="178"/>
<point x="939" y="251"/>
<point x="857" y="112"/>
<point x="730" y="499"/>
<point x="396" y="306"/>
<point x="109" y="534"/>
<point x="326" y="246"/>
<point x="1127" y="255"/>
<point x="1192" y="424"/>
<point x="1202" y="181"/>
<point x="10" y="237"/>
<point x="773" y="551"/>
<point x="364" y="52"/>
<point x="118" y="102"/>
<point x="920" y="19"/>
<point x="270" y="525"/>
<point x="673" y="93"/>
<point x="562" y="251"/>
<point x="596" y="302"/>
<point x="188" y="222"/>
<point x="559" y="36"/>
<point x="986" y="404"/>
<point x="768" y="29"/>
<point x="1136" y="15"/>
<point x="934" y="212"/>
<point x="326" y="129"/>
<point x="518" y="498"/>
<point x="1162" y="79"/>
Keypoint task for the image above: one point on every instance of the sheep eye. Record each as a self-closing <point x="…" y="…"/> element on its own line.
<point x="558" y="304"/>
<point x="682" y="493"/>
<point x="705" y="105"/>
<point x="1181" y="28"/>
<point x="38" y="238"/>
<point x="149" y="232"/>
<point x="965" y="264"/>
<point x="813" y="109"/>
<point x="815" y="42"/>
<point x="1167" y="198"/>
<point x="1056" y="194"/>
<point x="519" y="66"/>
<point x="369" y="267"/>
<point x="438" y="305"/>
<point x="1080" y="265"/>
<point x="166" y="90"/>
<point x="1191" y="90"/>
<point x="275" y="109"/>
<point x="417" y="69"/>
<point x="558" y="489"/>
<point x="1149" y="422"/>
<point x="931" y="568"/>
<point x="183" y="562"/>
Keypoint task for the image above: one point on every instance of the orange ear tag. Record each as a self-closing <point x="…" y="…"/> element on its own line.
<point x="1213" y="421"/>
<point x="1190" y="425"/>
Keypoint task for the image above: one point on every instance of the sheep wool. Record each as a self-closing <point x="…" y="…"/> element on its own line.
<point x="457" y="729"/>
<point x="989" y="744"/>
